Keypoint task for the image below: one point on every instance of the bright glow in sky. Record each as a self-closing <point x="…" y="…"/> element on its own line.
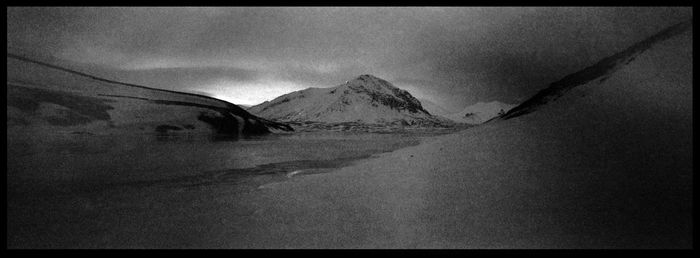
<point x="250" y="93"/>
<point x="453" y="56"/>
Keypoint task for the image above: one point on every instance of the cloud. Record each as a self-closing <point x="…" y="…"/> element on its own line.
<point x="455" y="56"/>
<point x="249" y="93"/>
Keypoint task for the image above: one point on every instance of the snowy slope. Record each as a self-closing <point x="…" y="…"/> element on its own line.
<point x="366" y="99"/>
<point x="599" y="71"/>
<point x="607" y="165"/>
<point x="45" y="99"/>
<point x="480" y="112"/>
<point x="433" y="108"/>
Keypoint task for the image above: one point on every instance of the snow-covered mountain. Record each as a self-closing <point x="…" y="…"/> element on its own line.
<point x="600" y="159"/>
<point x="46" y="99"/>
<point x="365" y="99"/>
<point x="480" y="112"/>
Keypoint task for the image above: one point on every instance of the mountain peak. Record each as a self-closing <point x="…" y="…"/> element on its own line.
<point x="366" y="98"/>
<point x="367" y="76"/>
<point x="371" y="82"/>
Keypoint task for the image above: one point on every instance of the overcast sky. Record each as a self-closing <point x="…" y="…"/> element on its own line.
<point x="451" y="56"/>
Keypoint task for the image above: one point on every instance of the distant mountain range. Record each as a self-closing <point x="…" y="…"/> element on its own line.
<point x="365" y="99"/>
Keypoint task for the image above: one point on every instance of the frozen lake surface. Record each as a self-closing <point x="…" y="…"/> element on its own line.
<point x="88" y="161"/>
<point x="68" y="192"/>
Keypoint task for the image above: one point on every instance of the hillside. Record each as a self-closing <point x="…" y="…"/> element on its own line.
<point x="46" y="99"/>
<point x="366" y="99"/>
<point x="434" y="108"/>
<point x="607" y="165"/>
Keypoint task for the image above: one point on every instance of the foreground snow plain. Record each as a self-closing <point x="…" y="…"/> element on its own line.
<point x="608" y="165"/>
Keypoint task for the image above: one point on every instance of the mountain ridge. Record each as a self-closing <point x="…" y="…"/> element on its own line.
<point x="365" y="99"/>
<point x="434" y="108"/>
<point x="50" y="98"/>
<point x="602" y="68"/>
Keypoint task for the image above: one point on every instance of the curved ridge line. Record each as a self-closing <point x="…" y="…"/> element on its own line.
<point x="606" y="66"/>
